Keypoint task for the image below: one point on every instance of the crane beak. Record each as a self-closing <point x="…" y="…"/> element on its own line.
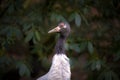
<point x="57" y="29"/>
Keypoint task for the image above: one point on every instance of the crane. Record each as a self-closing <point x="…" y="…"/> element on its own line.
<point x="60" y="68"/>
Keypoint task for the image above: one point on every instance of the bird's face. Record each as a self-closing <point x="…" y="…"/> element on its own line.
<point x="62" y="28"/>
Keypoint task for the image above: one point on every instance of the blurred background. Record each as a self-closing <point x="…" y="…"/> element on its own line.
<point x="26" y="49"/>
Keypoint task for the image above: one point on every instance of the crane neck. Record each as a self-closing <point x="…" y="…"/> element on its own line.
<point x="59" y="48"/>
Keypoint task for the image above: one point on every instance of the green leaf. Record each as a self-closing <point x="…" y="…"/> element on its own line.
<point x="23" y="68"/>
<point x="93" y="65"/>
<point x="60" y="18"/>
<point x="98" y="65"/>
<point x="77" y="19"/>
<point x="53" y="16"/>
<point x="34" y="40"/>
<point x="72" y="17"/>
<point x="57" y="17"/>
<point x="85" y="20"/>
<point x="37" y="35"/>
<point x="17" y="33"/>
<point x="29" y="36"/>
<point x="83" y="46"/>
<point x="73" y="62"/>
<point x="46" y="65"/>
<point x="26" y="27"/>
<point x="75" y="47"/>
<point x="90" y="47"/>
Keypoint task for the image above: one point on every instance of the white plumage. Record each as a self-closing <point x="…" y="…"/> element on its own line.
<point x="60" y="69"/>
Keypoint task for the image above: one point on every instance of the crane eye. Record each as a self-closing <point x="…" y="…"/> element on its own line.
<point x="62" y="26"/>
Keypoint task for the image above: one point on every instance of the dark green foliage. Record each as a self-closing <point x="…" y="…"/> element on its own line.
<point x="90" y="47"/>
<point x="23" y="69"/>
<point x="26" y="47"/>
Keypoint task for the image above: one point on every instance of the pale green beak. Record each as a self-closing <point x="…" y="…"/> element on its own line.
<point x="57" y="29"/>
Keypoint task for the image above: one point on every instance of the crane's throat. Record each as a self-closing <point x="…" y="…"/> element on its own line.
<point x="59" y="48"/>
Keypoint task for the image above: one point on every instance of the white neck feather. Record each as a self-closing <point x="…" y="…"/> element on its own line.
<point x="60" y="69"/>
